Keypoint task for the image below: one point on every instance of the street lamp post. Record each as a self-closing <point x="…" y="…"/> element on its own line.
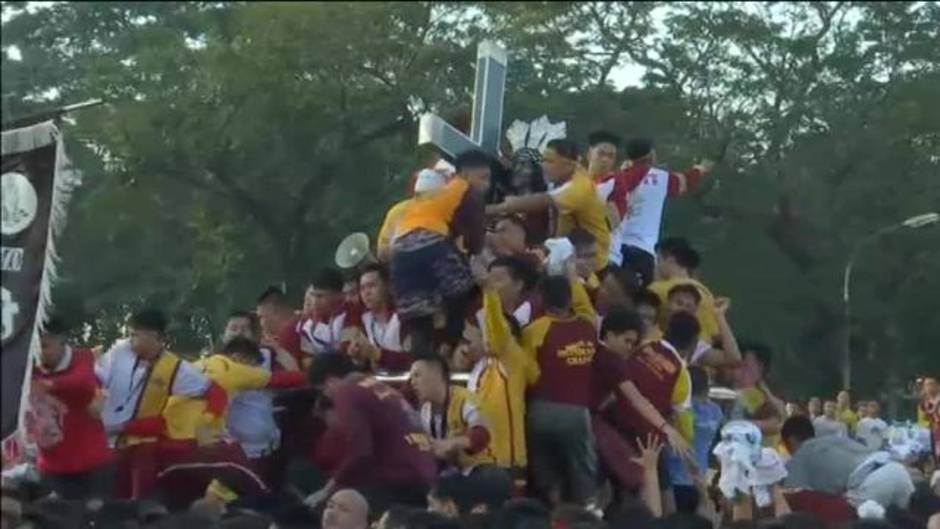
<point x="918" y="221"/>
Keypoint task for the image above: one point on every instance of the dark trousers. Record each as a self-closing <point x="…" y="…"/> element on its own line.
<point x="95" y="483"/>
<point x="561" y="451"/>
<point x="641" y="262"/>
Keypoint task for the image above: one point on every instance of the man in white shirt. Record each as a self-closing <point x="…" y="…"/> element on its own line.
<point x="872" y="431"/>
<point x="138" y="376"/>
<point x="379" y="342"/>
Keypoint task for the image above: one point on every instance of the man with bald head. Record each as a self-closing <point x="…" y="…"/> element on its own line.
<point x="346" y="509"/>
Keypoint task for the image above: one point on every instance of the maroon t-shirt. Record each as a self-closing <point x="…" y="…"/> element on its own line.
<point x="384" y="445"/>
<point x="565" y="360"/>
<point x="609" y="373"/>
<point x="653" y="368"/>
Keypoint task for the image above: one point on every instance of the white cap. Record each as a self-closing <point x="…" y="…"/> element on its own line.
<point x="429" y="180"/>
<point x="445" y="167"/>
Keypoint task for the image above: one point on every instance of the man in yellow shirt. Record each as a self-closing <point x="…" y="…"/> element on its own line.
<point x="235" y="370"/>
<point x="500" y="368"/>
<point x="676" y="260"/>
<point x="574" y="197"/>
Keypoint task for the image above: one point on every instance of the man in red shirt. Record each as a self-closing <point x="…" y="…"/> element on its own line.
<point x="74" y="458"/>
<point x="386" y="456"/>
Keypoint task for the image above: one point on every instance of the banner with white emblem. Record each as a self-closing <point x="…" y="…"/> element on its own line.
<point x="37" y="181"/>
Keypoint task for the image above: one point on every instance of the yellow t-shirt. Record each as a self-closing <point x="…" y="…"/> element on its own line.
<point x="579" y="206"/>
<point x="706" y="309"/>
<point x="850" y="419"/>
<point x="184" y="414"/>
<point x="387" y="231"/>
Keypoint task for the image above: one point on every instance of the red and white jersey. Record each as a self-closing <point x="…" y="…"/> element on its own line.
<point x="318" y="336"/>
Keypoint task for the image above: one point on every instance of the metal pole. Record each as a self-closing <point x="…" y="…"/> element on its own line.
<point x="847" y="298"/>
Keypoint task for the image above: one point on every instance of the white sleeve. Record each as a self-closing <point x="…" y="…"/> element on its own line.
<point x="189" y="381"/>
<point x="604" y="189"/>
<point x="103" y="363"/>
<point x="472" y="416"/>
<point x="554" y="193"/>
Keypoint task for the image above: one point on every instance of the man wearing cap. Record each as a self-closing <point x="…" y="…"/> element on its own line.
<point x="639" y="194"/>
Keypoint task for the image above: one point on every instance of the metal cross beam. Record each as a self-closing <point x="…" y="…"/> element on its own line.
<point x="487" y="117"/>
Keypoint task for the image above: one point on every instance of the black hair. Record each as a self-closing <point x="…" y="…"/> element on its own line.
<point x="519" y="269"/>
<point x="580" y="237"/>
<point x="329" y="279"/>
<point x="473" y="159"/>
<point x="679" y="249"/>
<point x="603" y="136"/>
<point x="523" y="513"/>
<point x="564" y="147"/>
<point x="397" y="515"/>
<point x="242" y="346"/>
<point x="682" y="331"/>
<point x="556" y="293"/>
<point x="329" y="365"/>
<point x="149" y="320"/>
<point x="437" y="361"/>
<point x="699" y="380"/>
<point x="620" y="319"/>
<point x="55" y="326"/>
<point x="273" y="296"/>
<point x="627" y="279"/>
<point x="761" y="352"/>
<point x="244" y="521"/>
<point x="375" y="268"/>
<point x="637" y="148"/>
<point x="457" y="488"/>
<point x="686" y="288"/>
<point x="798" y="427"/>
<point x="648" y="297"/>
<point x="574" y="516"/>
<point x="428" y="520"/>
<point x="682" y="520"/>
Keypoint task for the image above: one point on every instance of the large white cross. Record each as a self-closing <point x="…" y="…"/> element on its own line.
<point x="487" y="118"/>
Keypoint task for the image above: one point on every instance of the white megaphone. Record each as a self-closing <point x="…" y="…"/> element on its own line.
<point x="354" y="251"/>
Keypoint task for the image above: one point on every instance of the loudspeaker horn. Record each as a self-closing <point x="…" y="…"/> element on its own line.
<point x="354" y="251"/>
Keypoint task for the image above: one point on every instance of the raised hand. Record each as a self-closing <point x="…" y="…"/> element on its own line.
<point x="722" y="305"/>
<point x="649" y="452"/>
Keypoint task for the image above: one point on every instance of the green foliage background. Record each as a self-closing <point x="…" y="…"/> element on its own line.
<point x="242" y="141"/>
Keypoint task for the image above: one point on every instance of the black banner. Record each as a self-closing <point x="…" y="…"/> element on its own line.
<point x="36" y="184"/>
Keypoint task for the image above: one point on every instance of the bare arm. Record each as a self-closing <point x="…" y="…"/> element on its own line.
<point x="653" y="417"/>
<point x="523" y="204"/>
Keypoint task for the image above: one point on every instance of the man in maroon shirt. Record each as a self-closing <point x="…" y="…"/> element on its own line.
<point x="74" y="458"/>
<point x="386" y="454"/>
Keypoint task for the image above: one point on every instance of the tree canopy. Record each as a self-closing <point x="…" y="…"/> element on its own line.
<point x="241" y="141"/>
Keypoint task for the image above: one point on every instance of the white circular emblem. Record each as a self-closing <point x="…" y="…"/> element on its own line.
<point x="19" y="203"/>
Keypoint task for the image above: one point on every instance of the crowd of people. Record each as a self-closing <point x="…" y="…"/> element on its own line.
<point x="524" y="351"/>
